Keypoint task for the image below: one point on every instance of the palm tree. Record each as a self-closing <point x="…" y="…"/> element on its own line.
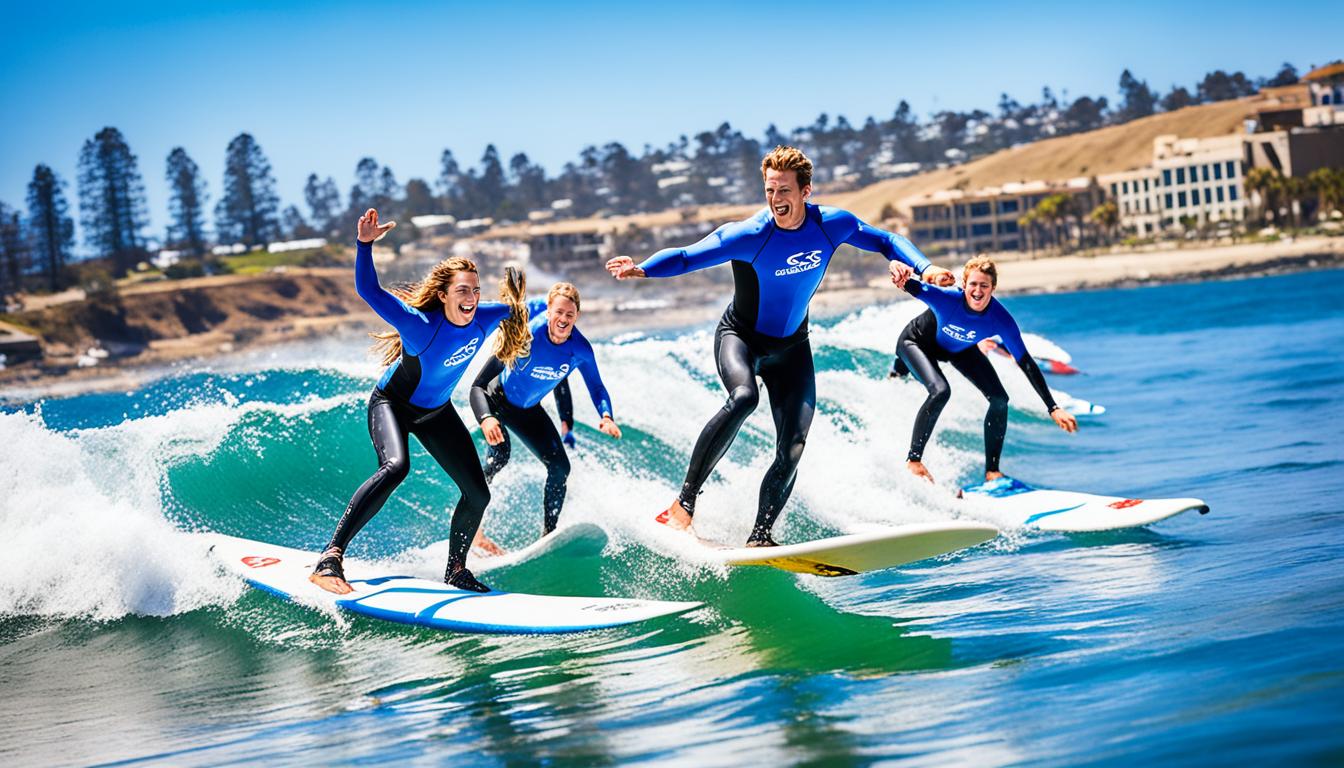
<point x="1106" y="217"/>
<point x="1328" y="184"/>
<point x="1026" y="223"/>
<point x="1265" y="183"/>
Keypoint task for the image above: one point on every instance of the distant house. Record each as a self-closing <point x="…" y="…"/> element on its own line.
<point x="986" y="220"/>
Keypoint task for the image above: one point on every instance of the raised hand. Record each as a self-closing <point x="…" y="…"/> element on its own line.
<point x="899" y="273"/>
<point x="939" y="276"/>
<point x="370" y="229"/>
<point x="623" y="268"/>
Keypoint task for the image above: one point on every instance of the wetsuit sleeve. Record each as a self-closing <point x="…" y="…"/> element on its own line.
<point x="596" y="389"/>
<point x="1011" y="338"/>
<point x="564" y="402"/>
<point x="491" y="313"/>
<point x="933" y="295"/>
<point x="536" y="307"/>
<point x="1037" y="379"/>
<point x="480" y="403"/>
<point x="727" y="243"/>
<point x="414" y="327"/>
<point x="870" y="238"/>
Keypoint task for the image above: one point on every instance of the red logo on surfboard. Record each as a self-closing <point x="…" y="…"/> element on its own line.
<point x="253" y="561"/>
<point x="1125" y="503"/>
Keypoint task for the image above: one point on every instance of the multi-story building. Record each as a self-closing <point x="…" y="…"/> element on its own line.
<point x="1137" y="198"/>
<point x="987" y="219"/>
<point x="1327" y="96"/>
<point x="1200" y="179"/>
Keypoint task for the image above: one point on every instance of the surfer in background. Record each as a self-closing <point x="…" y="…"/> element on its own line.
<point x="956" y="321"/>
<point x="508" y="398"/>
<point x="778" y="259"/>
<point x="439" y="324"/>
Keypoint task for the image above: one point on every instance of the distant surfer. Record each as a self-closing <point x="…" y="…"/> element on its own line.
<point x="439" y="324"/>
<point x="508" y="398"/>
<point x="957" y="320"/>
<point x="778" y="258"/>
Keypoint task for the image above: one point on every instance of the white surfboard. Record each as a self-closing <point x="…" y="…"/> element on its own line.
<point x="1076" y="405"/>
<point x="1070" y="511"/>
<point x="382" y="594"/>
<point x="860" y="552"/>
<point x="577" y="540"/>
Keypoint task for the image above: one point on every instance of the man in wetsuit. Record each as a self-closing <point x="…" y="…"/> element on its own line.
<point x="950" y="331"/>
<point x="508" y="399"/>
<point x="778" y="258"/>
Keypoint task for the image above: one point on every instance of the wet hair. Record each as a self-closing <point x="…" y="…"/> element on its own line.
<point x="984" y="264"/>
<point x="514" y="340"/>
<point x="424" y="296"/>
<point x="564" y="289"/>
<point x="784" y="158"/>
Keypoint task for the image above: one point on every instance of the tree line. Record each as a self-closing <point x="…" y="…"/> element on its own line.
<point x="713" y="166"/>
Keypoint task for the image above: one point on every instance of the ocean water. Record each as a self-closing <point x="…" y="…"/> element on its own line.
<point x="1201" y="640"/>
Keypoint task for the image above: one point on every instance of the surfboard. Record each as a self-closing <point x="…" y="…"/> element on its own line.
<point x="382" y="594"/>
<point x="1076" y="405"/>
<point x="861" y="552"/>
<point x="577" y="540"/>
<point x="1070" y="511"/>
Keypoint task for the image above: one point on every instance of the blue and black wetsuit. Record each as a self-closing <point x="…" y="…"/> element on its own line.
<point x="513" y="395"/>
<point x="764" y="333"/>
<point x="413" y="397"/>
<point x="949" y="331"/>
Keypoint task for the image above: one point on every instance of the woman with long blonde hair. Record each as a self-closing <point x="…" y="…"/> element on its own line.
<point x="508" y="398"/>
<point x="439" y="325"/>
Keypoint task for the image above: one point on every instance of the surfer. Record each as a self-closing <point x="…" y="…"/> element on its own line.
<point x="438" y="326"/>
<point x="508" y="398"/>
<point x="778" y="258"/>
<point x="957" y="320"/>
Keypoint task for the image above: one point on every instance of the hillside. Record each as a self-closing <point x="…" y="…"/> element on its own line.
<point x="1106" y="150"/>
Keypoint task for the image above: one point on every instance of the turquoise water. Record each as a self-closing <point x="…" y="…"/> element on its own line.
<point x="1202" y="640"/>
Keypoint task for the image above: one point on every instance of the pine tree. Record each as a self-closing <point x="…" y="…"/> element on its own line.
<point x="13" y="251"/>
<point x="49" y="223"/>
<point x="324" y="203"/>
<point x="1137" y="99"/>
<point x="249" y="210"/>
<point x="112" y="199"/>
<point x="186" y="203"/>
<point x="450" y="182"/>
<point x="364" y="193"/>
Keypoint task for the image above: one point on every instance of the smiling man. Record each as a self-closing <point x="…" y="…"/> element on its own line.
<point x="778" y="258"/>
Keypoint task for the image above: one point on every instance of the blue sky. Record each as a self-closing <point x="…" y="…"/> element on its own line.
<point x="322" y="84"/>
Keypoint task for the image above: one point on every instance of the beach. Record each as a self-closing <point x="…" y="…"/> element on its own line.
<point x="343" y="315"/>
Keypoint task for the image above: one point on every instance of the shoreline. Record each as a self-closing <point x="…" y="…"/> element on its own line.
<point x="1024" y="276"/>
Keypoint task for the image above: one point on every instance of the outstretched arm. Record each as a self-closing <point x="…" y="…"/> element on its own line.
<point x="718" y="247"/>
<point x="1063" y="418"/>
<point x="898" y="250"/>
<point x="597" y="391"/>
<point x="412" y="324"/>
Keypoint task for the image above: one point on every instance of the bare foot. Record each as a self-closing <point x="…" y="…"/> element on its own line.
<point x="334" y="584"/>
<point x="917" y="469"/>
<point x="675" y="517"/>
<point x="992" y="476"/>
<point x="486" y="545"/>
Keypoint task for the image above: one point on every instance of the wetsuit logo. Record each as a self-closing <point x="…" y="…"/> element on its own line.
<point x="959" y="333"/>
<point x="547" y="373"/>
<point x="463" y="354"/>
<point x="800" y="262"/>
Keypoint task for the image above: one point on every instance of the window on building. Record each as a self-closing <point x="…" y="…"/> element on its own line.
<point x="1217" y="172"/>
<point x="1180" y="175"/>
<point x="1231" y="169"/>
<point x="1147" y="205"/>
<point x="1116" y="192"/>
<point x="1180" y="199"/>
<point x="1231" y="193"/>
<point x="961" y="231"/>
<point x="942" y="233"/>
<point x="1007" y="227"/>
<point x="979" y="209"/>
<point x="1009" y="245"/>
<point x="961" y="211"/>
<point x="1205" y="170"/>
<point x="1220" y="192"/>
<point x="1145" y="185"/>
<point x="1008" y="206"/>
<point x="1168" y="200"/>
<point x="978" y="230"/>
<point x="1166" y="177"/>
